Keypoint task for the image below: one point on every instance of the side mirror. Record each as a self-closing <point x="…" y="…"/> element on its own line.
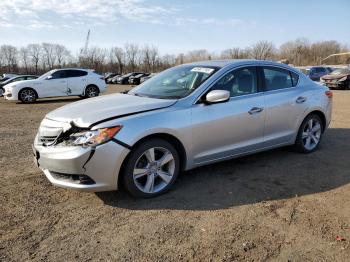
<point x="48" y="77"/>
<point x="217" y="96"/>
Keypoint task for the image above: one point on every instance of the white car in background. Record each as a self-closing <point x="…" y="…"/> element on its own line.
<point x="57" y="83"/>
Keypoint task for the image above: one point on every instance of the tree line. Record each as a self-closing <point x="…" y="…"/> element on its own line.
<point x="39" y="58"/>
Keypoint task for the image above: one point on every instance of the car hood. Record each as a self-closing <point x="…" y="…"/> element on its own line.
<point x="27" y="83"/>
<point x="332" y="77"/>
<point x="87" y="112"/>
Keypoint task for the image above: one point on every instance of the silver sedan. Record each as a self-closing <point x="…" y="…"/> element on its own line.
<point x="187" y="116"/>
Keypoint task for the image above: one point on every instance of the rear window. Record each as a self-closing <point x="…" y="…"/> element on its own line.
<point x="76" y="73"/>
<point x="277" y="78"/>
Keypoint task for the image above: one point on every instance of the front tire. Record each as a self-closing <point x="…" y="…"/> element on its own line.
<point x="91" y="91"/>
<point x="309" y="134"/>
<point x="2" y="91"/>
<point x="151" y="169"/>
<point x="27" y="96"/>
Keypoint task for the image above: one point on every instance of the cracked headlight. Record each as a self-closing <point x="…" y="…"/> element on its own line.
<point x="95" y="137"/>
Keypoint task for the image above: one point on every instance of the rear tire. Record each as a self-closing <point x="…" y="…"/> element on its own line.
<point x="27" y="96"/>
<point x="151" y="168"/>
<point x="309" y="134"/>
<point x="91" y="91"/>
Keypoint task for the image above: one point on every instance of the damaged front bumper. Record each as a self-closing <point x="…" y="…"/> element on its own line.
<point x="82" y="168"/>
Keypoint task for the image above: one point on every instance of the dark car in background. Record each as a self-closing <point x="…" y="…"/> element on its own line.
<point x="145" y="78"/>
<point x="136" y="80"/>
<point x="15" y="79"/>
<point x="124" y="79"/>
<point x="109" y="77"/>
<point x="316" y="72"/>
<point x="338" y="79"/>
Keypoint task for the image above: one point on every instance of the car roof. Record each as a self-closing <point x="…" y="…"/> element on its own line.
<point x="241" y="62"/>
<point x="82" y="69"/>
<point x="236" y="62"/>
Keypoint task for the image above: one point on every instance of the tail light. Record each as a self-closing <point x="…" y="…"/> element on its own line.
<point x="329" y="94"/>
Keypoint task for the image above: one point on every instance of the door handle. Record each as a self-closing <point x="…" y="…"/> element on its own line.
<point x="255" y="110"/>
<point x="301" y="99"/>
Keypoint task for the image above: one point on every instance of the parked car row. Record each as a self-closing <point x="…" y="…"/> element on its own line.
<point x="334" y="78"/>
<point x="110" y="77"/>
<point x="55" y="83"/>
<point x="133" y="78"/>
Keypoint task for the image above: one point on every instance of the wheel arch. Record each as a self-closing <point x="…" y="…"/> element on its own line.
<point x="91" y="85"/>
<point x="31" y="88"/>
<point x="321" y="115"/>
<point x="165" y="136"/>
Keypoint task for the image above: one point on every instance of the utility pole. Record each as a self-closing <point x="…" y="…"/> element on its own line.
<point x="86" y="43"/>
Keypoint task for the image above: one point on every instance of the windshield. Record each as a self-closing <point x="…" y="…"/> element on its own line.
<point x="174" y="83"/>
<point x="46" y="74"/>
<point x="340" y="71"/>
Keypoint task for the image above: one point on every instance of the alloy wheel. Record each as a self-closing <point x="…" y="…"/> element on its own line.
<point x="91" y="91"/>
<point x="28" y="96"/>
<point x="312" y="134"/>
<point x="154" y="170"/>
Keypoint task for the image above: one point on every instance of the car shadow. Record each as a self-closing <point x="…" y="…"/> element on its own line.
<point x="271" y="175"/>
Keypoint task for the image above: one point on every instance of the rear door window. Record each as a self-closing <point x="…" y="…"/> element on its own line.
<point x="277" y="78"/>
<point x="76" y="73"/>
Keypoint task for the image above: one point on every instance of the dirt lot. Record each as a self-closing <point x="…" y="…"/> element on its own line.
<point x="277" y="205"/>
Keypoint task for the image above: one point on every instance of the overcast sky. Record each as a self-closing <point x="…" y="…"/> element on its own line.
<point x="172" y="25"/>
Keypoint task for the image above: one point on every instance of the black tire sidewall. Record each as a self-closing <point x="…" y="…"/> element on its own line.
<point x="134" y="155"/>
<point x="299" y="145"/>
<point x="91" y="86"/>
<point x="25" y="102"/>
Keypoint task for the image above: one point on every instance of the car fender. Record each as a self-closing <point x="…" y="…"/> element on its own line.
<point x="139" y="126"/>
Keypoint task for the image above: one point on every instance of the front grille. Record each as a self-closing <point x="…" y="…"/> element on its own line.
<point x="77" y="179"/>
<point x="47" y="139"/>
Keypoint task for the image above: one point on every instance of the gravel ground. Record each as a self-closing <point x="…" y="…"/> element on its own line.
<point x="278" y="205"/>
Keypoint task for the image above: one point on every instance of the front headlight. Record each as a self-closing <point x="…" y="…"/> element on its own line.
<point x="95" y="137"/>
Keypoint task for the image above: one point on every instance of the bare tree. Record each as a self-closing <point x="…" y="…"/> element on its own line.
<point x="234" y="53"/>
<point x="61" y="53"/>
<point x="146" y="58"/>
<point x="38" y="58"/>
<point x="154" y="56"/>
<point x="119" y="55"/>
<point x="132" y="55"/>
<point x="10" y="54"/>
<point x="34" y="51"/>
<point x="49" y="54"/>
<point x="24" y="58"/>
<point x="93" y="58"/>
<point x="262" y="50"/>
